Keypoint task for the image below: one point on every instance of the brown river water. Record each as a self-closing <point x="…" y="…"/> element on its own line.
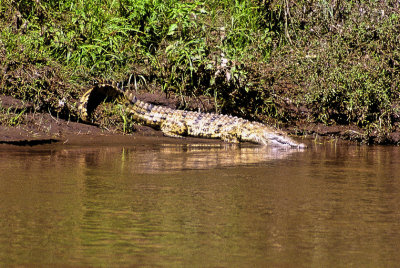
<point x="199" y="205"/>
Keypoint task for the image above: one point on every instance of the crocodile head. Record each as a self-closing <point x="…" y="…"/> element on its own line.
<point x="259" y="133"/>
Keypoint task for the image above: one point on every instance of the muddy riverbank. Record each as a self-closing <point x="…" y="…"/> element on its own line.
<point x="35" y="128"/>
<point x="308" y="73"/>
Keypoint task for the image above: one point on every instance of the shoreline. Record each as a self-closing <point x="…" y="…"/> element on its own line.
<point x="38" y="128"/>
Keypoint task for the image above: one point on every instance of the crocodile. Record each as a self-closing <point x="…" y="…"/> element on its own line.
<point x="180" y="123"/>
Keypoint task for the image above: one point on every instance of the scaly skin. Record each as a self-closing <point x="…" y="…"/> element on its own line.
<point x="178" y="123"/>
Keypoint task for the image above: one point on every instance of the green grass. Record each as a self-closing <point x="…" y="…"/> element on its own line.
<point x="179" y="44"/>
<point x="346" y="59"/>
<point x="10" y="116"/>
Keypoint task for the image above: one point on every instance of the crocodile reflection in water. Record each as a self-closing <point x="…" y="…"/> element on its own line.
<point x="178" y="123"/>
<point x="168" y="157"/>
<point x="183" y="157"/>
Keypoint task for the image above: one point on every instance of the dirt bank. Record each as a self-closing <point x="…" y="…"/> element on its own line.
<point x="35" y="128"/>
<point x="38" y="128"/>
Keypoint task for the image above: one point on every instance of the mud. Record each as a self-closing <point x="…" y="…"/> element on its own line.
<point x="43" y="128"/>
<point x="38" y="128"/>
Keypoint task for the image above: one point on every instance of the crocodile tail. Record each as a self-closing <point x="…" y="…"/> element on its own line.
<point x="151" y="115"/>
<point x="139" y="110"/>
<point x="94" y="96"/>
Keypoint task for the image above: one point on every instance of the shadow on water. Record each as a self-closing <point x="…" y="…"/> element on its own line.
<point x="201" y="205"/>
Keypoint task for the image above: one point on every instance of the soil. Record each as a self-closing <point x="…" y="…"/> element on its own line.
<point x="43" y="128"/>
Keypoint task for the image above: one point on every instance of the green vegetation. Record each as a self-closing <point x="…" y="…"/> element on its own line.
<point x="11" y="116"/>
<point x="345" y="57"/>
<point x="281" y="61"/>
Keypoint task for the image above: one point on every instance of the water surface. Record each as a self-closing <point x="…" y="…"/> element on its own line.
<point x="200" y="205"/>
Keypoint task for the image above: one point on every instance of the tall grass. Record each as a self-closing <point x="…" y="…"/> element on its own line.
<point x="345" y="55"/>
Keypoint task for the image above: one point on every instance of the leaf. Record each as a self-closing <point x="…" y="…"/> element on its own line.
<point x="172" y="29"/>
<point x="169" y="48"/>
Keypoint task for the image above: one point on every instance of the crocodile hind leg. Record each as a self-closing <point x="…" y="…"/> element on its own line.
<point x="174" y="128"/>
<point x="230" y="135"/>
